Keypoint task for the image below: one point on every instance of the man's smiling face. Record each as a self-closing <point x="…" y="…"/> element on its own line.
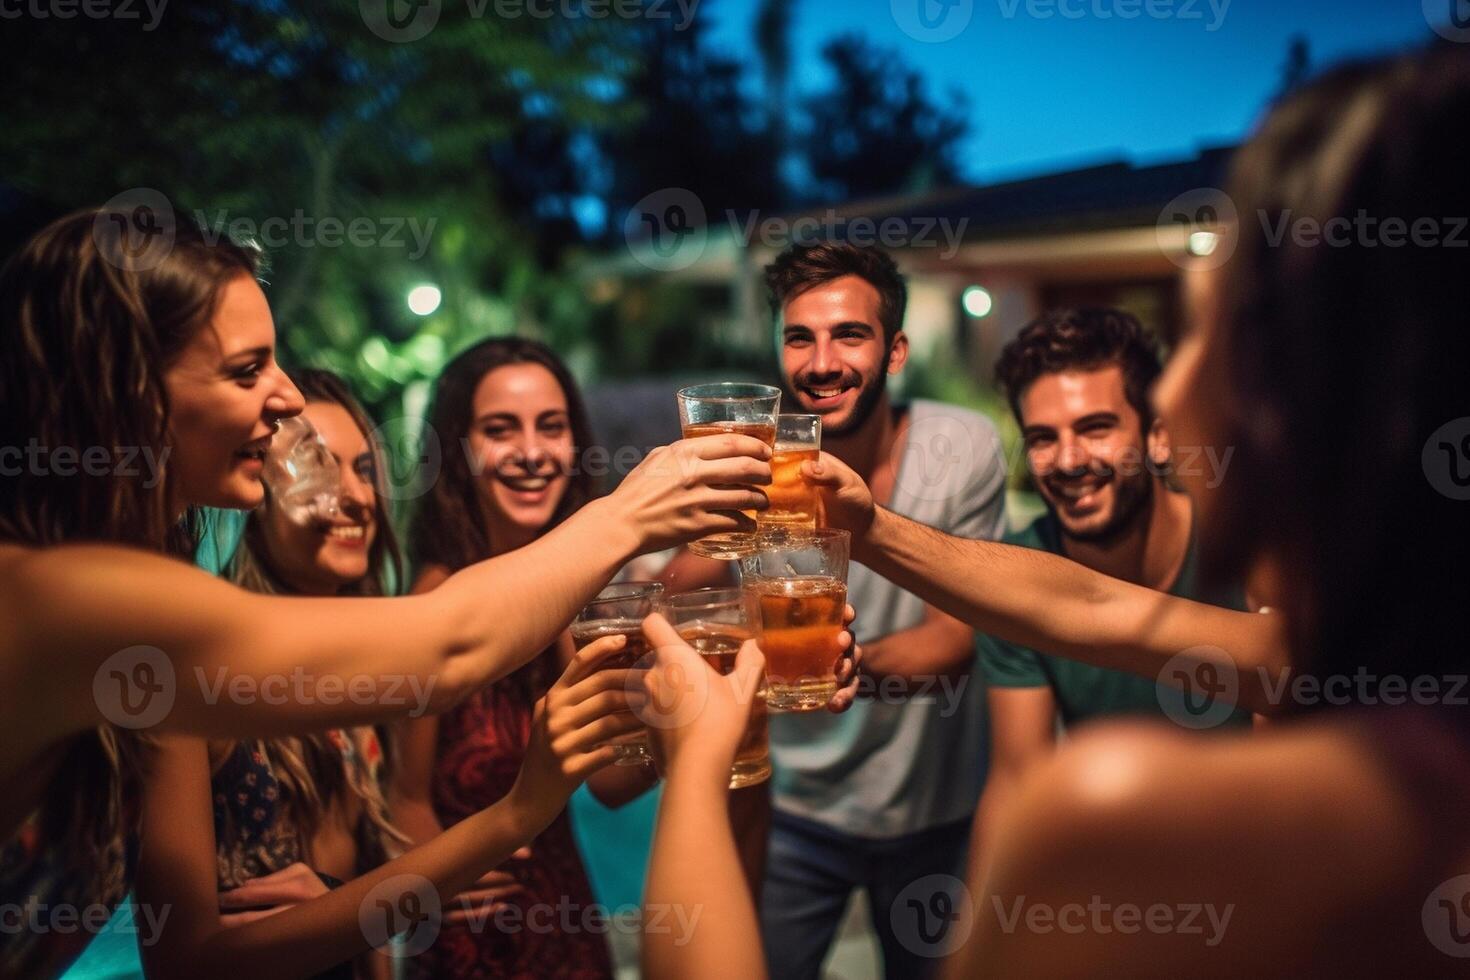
<point x="834" y="355"/>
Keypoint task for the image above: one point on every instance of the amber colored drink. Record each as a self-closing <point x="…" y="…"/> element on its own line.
<point x="801" y="624"/>
<point x="633" y="747"/>
<point x="732" y="544"/>
<point x="794" y="502"/>
<point x="718" y="643"/>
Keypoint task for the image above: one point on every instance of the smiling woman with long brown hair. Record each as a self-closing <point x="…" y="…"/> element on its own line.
<point x="105" y="359"/>
<point x="516" y="431"/>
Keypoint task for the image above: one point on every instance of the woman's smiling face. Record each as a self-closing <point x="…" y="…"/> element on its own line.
<point x="329" y="554"/>
<point x="521" y="448"/>
<point x="226" y="393"/>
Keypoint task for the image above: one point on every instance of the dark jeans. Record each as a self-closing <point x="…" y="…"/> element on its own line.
<point x="812" y="871"/>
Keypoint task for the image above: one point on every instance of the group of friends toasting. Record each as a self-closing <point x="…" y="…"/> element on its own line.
<point x="817" y="761"/>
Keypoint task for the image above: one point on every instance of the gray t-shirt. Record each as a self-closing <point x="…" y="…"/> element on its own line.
<point x="886" y="768"/>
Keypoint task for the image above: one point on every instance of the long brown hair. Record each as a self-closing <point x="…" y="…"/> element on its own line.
<point x="310" y="768"/>
<point x="449" y="528"/>
<point x="87" y="330"/>
<point x="1342" y="360"/>
<point x="85" y="339"/>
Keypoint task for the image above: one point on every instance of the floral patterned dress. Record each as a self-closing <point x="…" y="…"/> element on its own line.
<point x="556" y="930"/>
<point x="255" y="835"/>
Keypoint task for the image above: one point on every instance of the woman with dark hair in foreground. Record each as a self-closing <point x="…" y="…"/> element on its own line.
<point x="1332" y="843"/>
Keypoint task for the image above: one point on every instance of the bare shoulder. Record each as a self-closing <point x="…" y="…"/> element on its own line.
<point x="1273" y="839"/>
<point x="1312" y="791"/>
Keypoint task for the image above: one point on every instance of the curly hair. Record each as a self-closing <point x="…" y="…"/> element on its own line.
<point x="1082" y="339"/>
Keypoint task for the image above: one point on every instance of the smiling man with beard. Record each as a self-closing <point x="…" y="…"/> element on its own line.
<point x="883" y="796"/>
<point x="1078" y="382"/>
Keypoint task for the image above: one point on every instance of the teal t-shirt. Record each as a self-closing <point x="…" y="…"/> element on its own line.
<point x="1083" y="691"/>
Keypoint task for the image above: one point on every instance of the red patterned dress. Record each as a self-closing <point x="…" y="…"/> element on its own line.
<point x="556" y="931"/>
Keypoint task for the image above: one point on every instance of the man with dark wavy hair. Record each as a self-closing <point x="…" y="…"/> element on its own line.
<point x="879" y="799"/>
<point x="1078" y="381"/>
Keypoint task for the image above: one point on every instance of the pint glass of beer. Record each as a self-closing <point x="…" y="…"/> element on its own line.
<point x="800" y="584"/>
<point x="706" y="410"/>
<point x="621" y="609"/>
<point x="795" y="504"/>
<point x="715" y="622"/>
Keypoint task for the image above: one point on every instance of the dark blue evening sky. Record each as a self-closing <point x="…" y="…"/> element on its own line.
<point x="1050" y="91"/>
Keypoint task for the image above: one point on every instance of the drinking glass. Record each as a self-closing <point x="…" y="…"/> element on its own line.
<point x="746" y="409"/>
<point x="795" y="505"/>
<point x="800" y="584"/>
<point x="716" y="622"/>
<point x="621" y="608"/>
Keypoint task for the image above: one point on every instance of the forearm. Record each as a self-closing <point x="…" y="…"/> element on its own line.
<point x="934" y="648"/>
<point x="618" y="786"/>
<point x="309" y="938"/>
<point x="511" y="607"/>
<point x="1040" y="600"/>
<point x="695" y="868"/>
<point x="415" y="817"/>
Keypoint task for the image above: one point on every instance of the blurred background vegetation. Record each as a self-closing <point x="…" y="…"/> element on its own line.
<point x="518" y="145"/>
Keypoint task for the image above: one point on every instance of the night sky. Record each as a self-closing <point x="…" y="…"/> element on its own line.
<point x="1050" y="91"/>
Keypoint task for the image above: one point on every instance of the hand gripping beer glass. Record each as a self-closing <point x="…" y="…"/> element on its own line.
<point x="715" y="622"/>
<point x="706" y="410"/>
<point x="800" y="584"/>
<point x="795" y="504"/>
<point x="621" y="609"/>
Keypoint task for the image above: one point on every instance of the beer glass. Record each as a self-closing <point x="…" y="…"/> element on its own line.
<point x="620" y="608"/>
<point x="800" y="584"/>
<point x="795" y="504"/>
<point x="746" y="409"/>
<point x="715" y="622"/>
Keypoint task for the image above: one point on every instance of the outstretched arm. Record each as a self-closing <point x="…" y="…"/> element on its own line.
<point x="241" y="663"/>
<point x="1050" y="603"/>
